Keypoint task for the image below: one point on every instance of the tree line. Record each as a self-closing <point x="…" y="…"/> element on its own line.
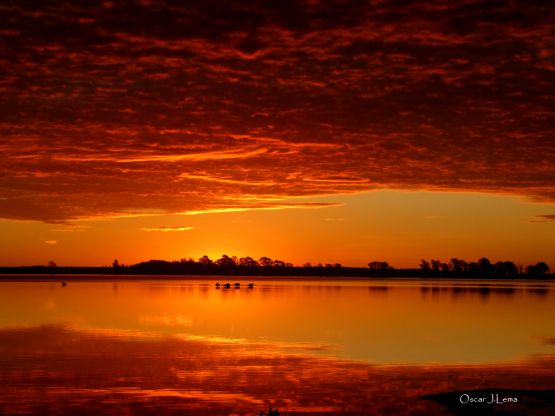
<point x="266" y="265"/>
<point x="483" y="266"/>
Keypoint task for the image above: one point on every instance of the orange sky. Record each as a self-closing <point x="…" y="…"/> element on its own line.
<point x="316" y="131"/>
<point x="396" y="226"/>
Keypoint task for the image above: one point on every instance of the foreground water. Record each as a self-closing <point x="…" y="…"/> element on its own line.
<point x="305" y="346"/>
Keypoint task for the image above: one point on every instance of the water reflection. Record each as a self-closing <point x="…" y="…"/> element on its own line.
<point x="540" y="291"/>
<point x="387" y="321"/>
<point x="60" y="370"/>
<point x="305" y="347"/>
<point x="484" y="292"/>
<point x="374" y="290"/>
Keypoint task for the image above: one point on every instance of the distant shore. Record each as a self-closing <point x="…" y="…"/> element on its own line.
<point x="40" y="273"/>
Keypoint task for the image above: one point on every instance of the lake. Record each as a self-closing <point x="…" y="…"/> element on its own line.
<point x="305" y="346"/>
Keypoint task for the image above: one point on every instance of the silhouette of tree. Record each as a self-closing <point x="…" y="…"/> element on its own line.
<point x="379" y="265"/>
<point x="457" y="265"/>
<point x="539" y="268"/>
<point x="52" y="264"/>
<point x="225" y="261"/>
<point x="247" y="262"/>
<point x="115" y="264"/>
<point x="542" y="267"/>
<point x="472" y="267"/>
<point x="425" y="265"/>
<point x="510" y="267"/>
<point x="205" y="260"/>
<point x="187" y="261"/>
<point x="265" y="262"/>
<point x="484" y="265"/>
<point x="505" y="268"/>
<point x="278" y="263"/>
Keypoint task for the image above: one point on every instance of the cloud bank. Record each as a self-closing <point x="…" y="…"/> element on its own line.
<point x="134" y="107"/>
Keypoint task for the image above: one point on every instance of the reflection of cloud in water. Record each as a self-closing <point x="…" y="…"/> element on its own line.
<point x="58" y="370"/>
<point x="166" y="320"/>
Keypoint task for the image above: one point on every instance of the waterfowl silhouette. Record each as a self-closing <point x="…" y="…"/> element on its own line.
<point x="227" y="285"/>
<point x="218" y="285"/>
<point x="250" y="285"/>
<point x="237" y="285"/>
<point x="64" y="284"/>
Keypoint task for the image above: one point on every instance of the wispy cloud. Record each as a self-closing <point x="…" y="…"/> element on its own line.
<point x="227" y="180"/>
<point x="51" y="242"/>
<point x="168" y="229"/>
<point x="272" y="207"/>
<point x="544" y="218"/>
<point x="72" y="228"/>
<point x="216" y="155"/>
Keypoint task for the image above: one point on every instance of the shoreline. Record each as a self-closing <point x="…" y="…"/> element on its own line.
<point x="95" y="277"/>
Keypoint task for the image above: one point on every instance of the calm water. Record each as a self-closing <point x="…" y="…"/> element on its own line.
<point x="308" y="347"/>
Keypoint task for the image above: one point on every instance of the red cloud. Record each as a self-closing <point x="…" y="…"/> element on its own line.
<point x="165" y="108"/>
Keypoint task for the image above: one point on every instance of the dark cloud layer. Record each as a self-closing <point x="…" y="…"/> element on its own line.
<point x="130" y="107"/>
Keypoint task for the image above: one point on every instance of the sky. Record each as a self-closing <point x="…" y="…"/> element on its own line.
<point x="309" y="131"/>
